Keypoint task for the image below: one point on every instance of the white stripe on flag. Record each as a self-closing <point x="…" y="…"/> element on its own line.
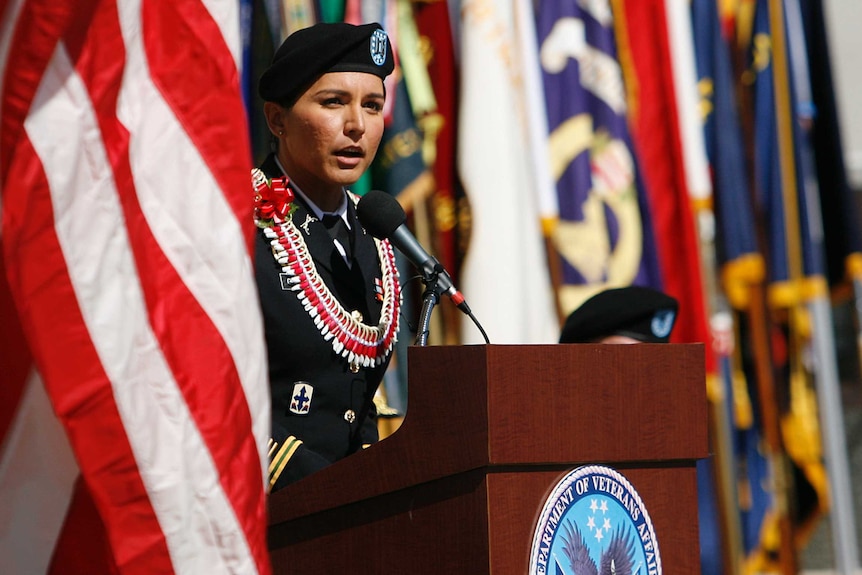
<point x="209" y="255"/>
<point x="198" y="521"/>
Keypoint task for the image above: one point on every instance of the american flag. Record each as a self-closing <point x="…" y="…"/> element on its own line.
<point x="127" y="292"/>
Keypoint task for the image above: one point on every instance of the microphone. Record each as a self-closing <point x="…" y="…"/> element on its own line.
<point x="384" y="218"/>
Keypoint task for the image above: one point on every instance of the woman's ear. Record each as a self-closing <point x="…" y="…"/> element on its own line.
<point x="275" y="118"/>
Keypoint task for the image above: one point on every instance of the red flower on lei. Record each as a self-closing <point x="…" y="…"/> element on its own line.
<point x="273" y="199"/>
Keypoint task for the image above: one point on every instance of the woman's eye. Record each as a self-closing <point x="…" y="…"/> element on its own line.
<point x="374" y="106"/>
<point x="332" y="102"/>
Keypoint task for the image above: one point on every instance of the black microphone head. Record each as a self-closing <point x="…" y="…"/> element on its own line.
<point x="380" y="214"/>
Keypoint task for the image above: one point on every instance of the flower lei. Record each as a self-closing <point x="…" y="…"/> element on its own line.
<point x="360" y="344"/>
<point x="273" y="199"/>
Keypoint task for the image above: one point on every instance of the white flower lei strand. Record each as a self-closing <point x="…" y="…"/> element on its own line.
<point x="359" y="343"/>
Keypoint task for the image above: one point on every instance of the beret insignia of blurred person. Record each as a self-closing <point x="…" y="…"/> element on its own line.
<point x="309" y="53"/>
<point x="641" y="313"/>
<point x="594" y="522"/>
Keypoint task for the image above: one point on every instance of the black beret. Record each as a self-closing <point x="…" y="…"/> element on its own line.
<point x="638" y="312"/>
<point x="309" y="53"/>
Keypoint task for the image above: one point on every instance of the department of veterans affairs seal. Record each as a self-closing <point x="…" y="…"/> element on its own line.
<point x="594" y="522"/>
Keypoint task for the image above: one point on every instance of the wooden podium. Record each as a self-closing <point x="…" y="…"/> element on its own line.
<point x="489" y="431"/>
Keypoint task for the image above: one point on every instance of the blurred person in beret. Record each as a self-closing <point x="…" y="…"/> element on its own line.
<point x="329" y="291"/>
<point x="630" y="314"/>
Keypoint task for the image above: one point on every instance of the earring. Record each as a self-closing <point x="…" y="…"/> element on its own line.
<point x="281" y="132"/>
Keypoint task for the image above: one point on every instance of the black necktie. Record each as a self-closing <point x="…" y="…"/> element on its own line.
<point x="338" y="230"/>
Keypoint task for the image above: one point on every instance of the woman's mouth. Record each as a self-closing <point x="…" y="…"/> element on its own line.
<point x="349" y="157"/>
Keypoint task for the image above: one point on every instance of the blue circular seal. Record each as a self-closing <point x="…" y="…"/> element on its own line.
<point x="594" y="522"/>
<point x="378" y="47"/>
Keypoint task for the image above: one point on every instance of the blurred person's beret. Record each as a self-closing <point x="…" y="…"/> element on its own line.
<point x="309" y="53"/>
<point x="638" y="312"/>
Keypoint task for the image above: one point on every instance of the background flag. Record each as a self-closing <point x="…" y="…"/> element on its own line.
<point x="656" y="130"/>
<point x="126" y="230"/>
<point x="504" y="270"/>
<point x="603" y="235"/>
<point x="435" y="44"/>
<point x="742" y="273"/>
<point x="798" y="292"/>
<point x="262" y="32"/>
<point x="666" y="126"/>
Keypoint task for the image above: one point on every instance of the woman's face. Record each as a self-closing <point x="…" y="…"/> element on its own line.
<point x="332" y="132"/>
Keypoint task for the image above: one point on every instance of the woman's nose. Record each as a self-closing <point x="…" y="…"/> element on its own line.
<point x="354" y="123"/>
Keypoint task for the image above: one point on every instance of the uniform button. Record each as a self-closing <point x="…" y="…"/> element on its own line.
<point x="354" y="367"/>
<point x="356" y="314"/>
<point x="349" y="416"/>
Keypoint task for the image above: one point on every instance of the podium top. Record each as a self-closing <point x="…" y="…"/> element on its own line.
<point x="507" y="406"/>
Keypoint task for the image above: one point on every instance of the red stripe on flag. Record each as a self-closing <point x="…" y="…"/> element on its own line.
<point x="656" y="135"/>
<point x="34" y="37"/>
<point x="187" y="56"/>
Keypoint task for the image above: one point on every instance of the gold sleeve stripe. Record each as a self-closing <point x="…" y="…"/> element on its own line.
<point x="271" y="446"/>
<point x="278" y="463"/>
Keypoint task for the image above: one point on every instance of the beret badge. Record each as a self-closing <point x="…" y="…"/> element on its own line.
<point x="662" y="323"/>
<point x="377" y="46"/>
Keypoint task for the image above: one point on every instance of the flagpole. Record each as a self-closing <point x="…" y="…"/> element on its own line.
<point x="828" y="390"/>
<point x="766" y="390"/>
<point x="832" y="428"/>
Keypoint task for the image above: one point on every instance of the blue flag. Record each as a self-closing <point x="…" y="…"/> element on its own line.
<point x="736" y="234"/>
<point x="802" y="253"/>
<point x="737" y="251"/>
<point x="603" y="235"/>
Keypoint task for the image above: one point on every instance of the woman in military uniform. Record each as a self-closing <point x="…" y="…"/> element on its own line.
<point x="329" y="291"/>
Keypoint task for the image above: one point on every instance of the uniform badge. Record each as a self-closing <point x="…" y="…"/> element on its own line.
<point x="662" y="323"/>
<point x="300" y="400"/>
<point x="378" y="289"/>
<point x="304" y="225"/>
<point x="594" y="522"/>
<point x="378" y="47"/>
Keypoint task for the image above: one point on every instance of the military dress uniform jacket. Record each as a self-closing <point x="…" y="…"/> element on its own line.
<point x="322" y="407"/>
